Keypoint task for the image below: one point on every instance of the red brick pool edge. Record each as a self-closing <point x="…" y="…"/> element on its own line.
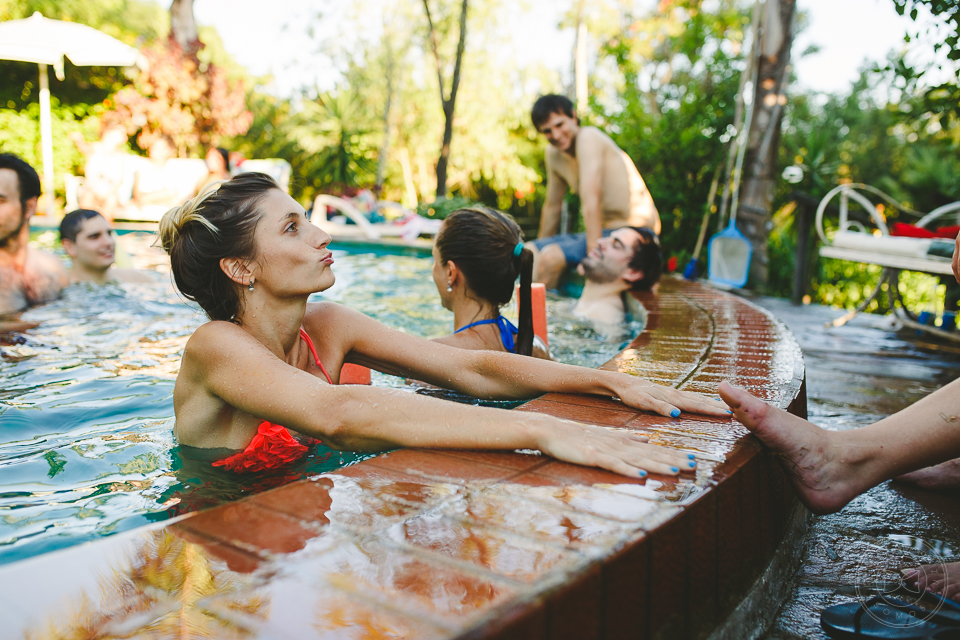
<point x="455" y="544"/>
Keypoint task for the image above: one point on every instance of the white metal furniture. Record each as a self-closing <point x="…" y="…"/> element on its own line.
<point x="857" y="242"/>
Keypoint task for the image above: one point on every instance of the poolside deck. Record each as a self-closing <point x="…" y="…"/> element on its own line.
<point x="857" y="374"/>
<point x="443" y="544"/>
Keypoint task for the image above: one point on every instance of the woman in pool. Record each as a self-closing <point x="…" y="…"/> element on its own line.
<point x="477" y="258"/>
<point x="246" y="253"/>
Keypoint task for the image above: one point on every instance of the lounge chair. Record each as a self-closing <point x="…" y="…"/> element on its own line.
<point x="856" y="241"/>
<point x="408" y="227"/>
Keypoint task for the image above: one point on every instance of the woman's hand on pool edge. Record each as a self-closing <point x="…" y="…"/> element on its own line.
<point x="667" y="401"/>
<point x="618" y="450"/>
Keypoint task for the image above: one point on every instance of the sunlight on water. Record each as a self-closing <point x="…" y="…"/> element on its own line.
<point x="86" y="412"/>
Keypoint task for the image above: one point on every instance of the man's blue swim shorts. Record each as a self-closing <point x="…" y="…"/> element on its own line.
<point x="573" y="245"/>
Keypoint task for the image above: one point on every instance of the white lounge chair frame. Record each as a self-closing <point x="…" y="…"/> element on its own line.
<point x="892" y="264"/>
<point x="362" y="227"/>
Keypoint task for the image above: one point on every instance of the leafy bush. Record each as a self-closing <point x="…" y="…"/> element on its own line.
<point x="20" y="134"/>
<point x="441" y="208"/>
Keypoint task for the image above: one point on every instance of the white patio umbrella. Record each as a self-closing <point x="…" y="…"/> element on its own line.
<point x="44" y="41"/>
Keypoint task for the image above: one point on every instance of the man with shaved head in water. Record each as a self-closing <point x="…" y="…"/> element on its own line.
<point x="27" y="276"/>
<point x="88" y="239"/>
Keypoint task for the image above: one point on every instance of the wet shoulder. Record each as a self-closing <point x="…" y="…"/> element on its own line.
<point x="213" y="339"/>
<point x="39" y="259"/>
<point x="322" y="317"/>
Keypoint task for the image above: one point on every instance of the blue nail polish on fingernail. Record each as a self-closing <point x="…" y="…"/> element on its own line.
<point x="675" y="469"/>
<point x="692" y="464"/>
<point x="730" y="412"/>
<point x="691" y="456"/>
<point x="643" y="473"/>
<point x="675" y="413"/>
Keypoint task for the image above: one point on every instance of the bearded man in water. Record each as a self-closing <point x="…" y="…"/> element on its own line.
<point x="626" y="260"/>
<point x="584" y="160"/>
<point x="27" y="276"/>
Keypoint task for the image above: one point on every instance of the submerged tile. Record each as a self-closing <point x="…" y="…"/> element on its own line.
<point x="569" y="528"/>
<point x="253" y="528"/>
<point x="394" y="486"/>
<point x="145" y="584"/>
<point x="726" y="429"/>
<point x="429" y="465"/>
<point x="703" y="448"/>
<point x="373" y="570"/>
<point x="500" y="553"/>
<point x="671" y="490"/>
<point x="296" y="609"/>
<point x="616" y="505"/>
<point x="584" y="414"/>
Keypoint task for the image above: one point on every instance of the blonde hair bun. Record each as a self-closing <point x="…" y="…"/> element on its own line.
<point x="174" y="220"/>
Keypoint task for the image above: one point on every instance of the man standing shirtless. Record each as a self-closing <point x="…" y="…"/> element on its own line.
<point x="27" y="276"/>
<point x="584" y="160"/>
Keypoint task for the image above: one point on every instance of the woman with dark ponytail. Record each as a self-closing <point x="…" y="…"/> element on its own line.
<point x="477" y="258"/>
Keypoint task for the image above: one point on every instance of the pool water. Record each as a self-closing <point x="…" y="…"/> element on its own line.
<point x="86" y="411"/>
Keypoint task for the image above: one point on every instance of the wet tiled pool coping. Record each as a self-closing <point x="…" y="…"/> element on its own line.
<point x="443" y="544"/>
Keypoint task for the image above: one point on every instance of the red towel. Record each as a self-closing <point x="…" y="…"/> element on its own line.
<point x="905" y="230"/>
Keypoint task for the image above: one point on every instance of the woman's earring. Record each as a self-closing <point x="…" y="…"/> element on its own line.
<point x="449" y="287"/>
<point x="251" y="285"/>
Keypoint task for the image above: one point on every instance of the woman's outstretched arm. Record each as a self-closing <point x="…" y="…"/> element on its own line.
<point x="227" y="362"/>
<point x="492" y="374"/>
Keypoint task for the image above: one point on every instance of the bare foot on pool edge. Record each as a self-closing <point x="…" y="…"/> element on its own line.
<point x="942" y="579"/>
<point x="941" y="477"/>
<point x="821" y="479"/>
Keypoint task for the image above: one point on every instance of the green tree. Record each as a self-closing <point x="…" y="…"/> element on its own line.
<point x="448" y="97"/>
<point x="336" y="129"/>
<point x="134" y="22"/>
<point x="672" y="106"/>
<point x="192" y="101"/>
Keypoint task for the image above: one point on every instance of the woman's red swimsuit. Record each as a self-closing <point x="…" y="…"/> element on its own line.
<point x="273" y="446"/>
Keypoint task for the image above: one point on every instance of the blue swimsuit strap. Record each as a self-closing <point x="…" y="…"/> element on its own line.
<point x="507" y="330"/>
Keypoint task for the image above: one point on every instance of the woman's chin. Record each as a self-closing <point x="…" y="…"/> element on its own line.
<point x="326" y="281"/>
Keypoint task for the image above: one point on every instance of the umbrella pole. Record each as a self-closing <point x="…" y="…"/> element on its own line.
<point x="46" y="140"/>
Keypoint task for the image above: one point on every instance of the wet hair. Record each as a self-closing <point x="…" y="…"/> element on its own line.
<point x="28" y="182"/>
<point x="72" y="223"/>
<point x="218" y="223"/>
<point x="481" y="242"/>
<point x="646" y="259"/>
<point x="549" y="104"/>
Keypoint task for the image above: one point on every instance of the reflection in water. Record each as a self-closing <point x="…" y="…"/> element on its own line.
<point x="929" y="546"/>
<point x="177" y="583"/>
<point x="160" y="593"/>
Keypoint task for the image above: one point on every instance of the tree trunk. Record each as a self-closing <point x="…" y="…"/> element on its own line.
<point x="385" y="147"/>
<point x="760" y="162"/>
<point x="580" y="63"/>
<point x="183" y="26"/>
<point x="448" y="103"/>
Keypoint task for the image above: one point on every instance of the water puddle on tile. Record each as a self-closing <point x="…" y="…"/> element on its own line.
<point x="928" y="546"/>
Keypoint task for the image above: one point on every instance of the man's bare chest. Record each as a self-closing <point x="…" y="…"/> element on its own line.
<point x="568" y="169"/>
